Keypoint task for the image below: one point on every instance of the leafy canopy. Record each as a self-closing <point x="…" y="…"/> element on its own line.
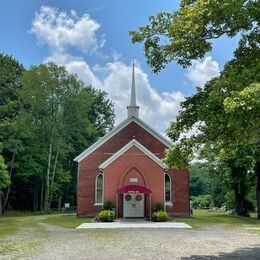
<point x="187" y="33"/>
<point x="225" y="113"/>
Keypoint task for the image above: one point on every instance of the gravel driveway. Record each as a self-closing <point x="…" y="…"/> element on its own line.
<point x="211" y="243"/>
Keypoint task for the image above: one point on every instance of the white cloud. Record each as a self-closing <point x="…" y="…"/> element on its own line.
<point x="76" y="65"/>
<point x="60" y="30"/>
<point x="157" y="109"/>
<point x="194" y="131"/>
<point x="202" y="71"/>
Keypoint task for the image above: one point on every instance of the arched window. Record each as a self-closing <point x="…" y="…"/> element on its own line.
<point x="99" y="189"/>
<point x="167" y="188"/>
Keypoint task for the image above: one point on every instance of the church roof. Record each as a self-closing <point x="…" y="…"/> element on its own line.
<point x="117" y="129"/>
<point x="128" y="146"/>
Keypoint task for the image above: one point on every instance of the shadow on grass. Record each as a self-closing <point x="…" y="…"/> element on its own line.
<point x="241" y="253"/>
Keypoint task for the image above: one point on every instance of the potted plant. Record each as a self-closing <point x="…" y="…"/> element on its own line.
<point x="106" y="216"/>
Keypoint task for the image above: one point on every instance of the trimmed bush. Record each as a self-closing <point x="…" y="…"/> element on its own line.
<point x="160" y="216"/>
<point x="108" y="205"/>
<point x="106" y="216"/>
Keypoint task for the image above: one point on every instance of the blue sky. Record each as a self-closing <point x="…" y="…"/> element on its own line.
<point x="93" y="41"/>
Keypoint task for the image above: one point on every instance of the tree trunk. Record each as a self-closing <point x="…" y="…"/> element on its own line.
<point x="257" y="171"/>
<point x="237" y="200"/>
<point x="35" y="195"/>
<point x="239" y="187"/>
<point x="41" y="199"/>
<point x="240" y="194"/>
<point x="47" y="188"/>
<point x="1" y="204"/>
<point x="54" y="172"/>
<point x="42" y="175"/>
<point x="59" y="203"/>
<point x="55" y="166"/>
<point x="10" y="174"/>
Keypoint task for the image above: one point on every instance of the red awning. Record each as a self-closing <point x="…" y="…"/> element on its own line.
<point x="133" y="189"/>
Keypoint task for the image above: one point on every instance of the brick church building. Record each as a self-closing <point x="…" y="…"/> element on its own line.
<point x="125" y="167"/>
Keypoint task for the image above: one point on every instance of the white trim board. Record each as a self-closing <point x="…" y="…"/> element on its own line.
<point x="127" y="147"/>
<point x="117" y="129"/>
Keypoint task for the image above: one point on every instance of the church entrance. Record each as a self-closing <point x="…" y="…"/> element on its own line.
<point x="133" y="205"/>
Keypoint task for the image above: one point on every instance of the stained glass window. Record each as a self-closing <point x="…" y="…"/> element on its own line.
<point x="99" y="189"/>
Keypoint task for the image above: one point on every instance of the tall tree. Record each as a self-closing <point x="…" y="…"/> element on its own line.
<point x="226" y="115"/>
<point x="10" y="84"/>
<point x="65" y="116"/>
<point x="47" y="117"/>
<point x="46" y="90"/>
<point x="187" y="34"/>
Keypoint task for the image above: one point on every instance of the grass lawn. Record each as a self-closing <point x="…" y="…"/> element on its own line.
<point x="205" y="218"/>
<point x="11" y="224"/>
<point x="65" y="220"/>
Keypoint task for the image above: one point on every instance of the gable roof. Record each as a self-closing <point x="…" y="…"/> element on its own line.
<point x="117" y="129"/>
<point x="127" y="147"/>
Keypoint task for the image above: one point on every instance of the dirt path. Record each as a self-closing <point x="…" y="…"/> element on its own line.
<point x="60" y="243"/>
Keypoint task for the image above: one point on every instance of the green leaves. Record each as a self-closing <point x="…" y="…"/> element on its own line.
<point x="4" y="177"/>
<point x="179" y="155"/>
<point x="187" y="33"/>
<point x="244" y="101"/>
<point x="227" y="108"/>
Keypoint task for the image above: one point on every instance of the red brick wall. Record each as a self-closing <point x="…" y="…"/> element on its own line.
<point x="135" y="162"/>
<point x="180" y="193"/>
<point x="88" y="170"/>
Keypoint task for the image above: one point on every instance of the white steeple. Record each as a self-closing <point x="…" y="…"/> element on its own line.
<point x="133" y="109"/>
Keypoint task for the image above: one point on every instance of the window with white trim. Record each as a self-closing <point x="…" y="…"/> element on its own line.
<point x="167" y="188"/>
<point x="99" y="189"/>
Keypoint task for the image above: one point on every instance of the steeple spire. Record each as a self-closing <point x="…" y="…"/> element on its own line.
<point x="133" y="109"/>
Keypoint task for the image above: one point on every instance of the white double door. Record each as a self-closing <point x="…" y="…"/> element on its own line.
<point x="133" y="205"/>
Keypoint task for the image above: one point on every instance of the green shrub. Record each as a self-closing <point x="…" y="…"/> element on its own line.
<point x="106" y="216"/>
<point x="159" y="207"/>
<point x="201" y="201"/>
<point x="160" y="216"/>
<point x="230" y="200"/>
<point x="108" y="205"/>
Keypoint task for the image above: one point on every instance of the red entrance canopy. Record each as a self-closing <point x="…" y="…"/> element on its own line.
<point x="133" y="189"/>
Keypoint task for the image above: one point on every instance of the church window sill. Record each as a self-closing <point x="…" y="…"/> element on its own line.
<point x="98" y="204"/>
